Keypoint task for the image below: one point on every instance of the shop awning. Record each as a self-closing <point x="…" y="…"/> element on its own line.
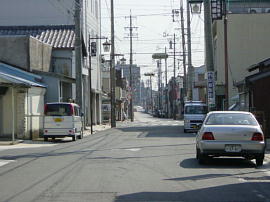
<point x="10" y="75"/>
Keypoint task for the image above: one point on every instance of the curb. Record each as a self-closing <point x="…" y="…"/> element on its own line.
<point x="6" y="143"/>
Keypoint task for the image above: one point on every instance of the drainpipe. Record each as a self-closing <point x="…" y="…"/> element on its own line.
<point x="13" y="115"/>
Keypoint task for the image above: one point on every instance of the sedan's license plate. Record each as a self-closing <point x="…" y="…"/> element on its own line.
<point x="233" y="148"/>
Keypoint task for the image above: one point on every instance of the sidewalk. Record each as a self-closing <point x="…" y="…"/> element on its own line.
<point x="8" y="144"/>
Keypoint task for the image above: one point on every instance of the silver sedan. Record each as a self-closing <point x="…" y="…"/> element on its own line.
<point x="230" y="133"/>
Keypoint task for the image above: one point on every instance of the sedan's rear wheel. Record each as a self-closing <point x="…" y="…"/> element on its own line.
<point x="259" y="160"/>
<point x="200" y="157"/>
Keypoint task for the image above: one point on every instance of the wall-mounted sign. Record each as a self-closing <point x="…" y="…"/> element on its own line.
<point x="211" y="89"/>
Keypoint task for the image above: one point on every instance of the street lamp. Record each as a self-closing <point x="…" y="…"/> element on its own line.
<point x="195" y="6"/>
<point x="106" y="46"/>
<point x="92" y="52"/>
<point x="123" y="61"/>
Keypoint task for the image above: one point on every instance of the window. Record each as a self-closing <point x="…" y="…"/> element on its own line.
<point x="196" y="109"/>
<point x="231" y="119"/>
<point x="58" y="110"/>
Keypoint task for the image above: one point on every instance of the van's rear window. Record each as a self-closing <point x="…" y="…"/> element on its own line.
<point x="58" y="110"/>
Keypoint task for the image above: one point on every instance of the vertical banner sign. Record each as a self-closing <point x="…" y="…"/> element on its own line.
<point x="211" y="89"/>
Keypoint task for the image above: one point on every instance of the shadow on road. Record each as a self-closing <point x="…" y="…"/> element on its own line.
<point x="232" y="192"/>
<point x="224" y="163"/>
<point x="158" y="131"/>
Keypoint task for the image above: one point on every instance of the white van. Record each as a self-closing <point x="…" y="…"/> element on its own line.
<point x="194" y="114"/>
<point x="62" y="120"/>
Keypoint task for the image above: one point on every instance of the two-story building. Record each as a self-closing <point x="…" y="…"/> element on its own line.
<point x="53" y="22"/>
<point x="248" y="43"/>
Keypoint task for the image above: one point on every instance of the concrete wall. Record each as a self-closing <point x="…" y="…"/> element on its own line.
<point x="35" y="110"/>
<point x="25" y="52"/>
<point x="15" y="50"/>
<point x="29" y="107"/>
<point x="248" y="43"/>
<point x="39" y="55"/>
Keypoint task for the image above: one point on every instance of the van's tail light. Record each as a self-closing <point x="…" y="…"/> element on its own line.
<point x="71" y="109"/>
<point x="45" y="109"/>
<point x="71" y="131"/>
<point x="257" y="137"/>
<point x="208" y="136"/>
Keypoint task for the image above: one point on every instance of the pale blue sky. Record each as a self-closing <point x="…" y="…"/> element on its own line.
<point x="153" y="18"/>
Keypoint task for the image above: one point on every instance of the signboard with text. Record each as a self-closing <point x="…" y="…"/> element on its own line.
<point x="211" y="89"/>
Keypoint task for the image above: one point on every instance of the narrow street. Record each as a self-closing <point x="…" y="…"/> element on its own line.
<point x="150" y="159"/>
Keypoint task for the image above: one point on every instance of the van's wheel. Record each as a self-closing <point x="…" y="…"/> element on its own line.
<point x="74" y="137"/>
<point x="45" y="139"/>
<point x="81" y="135"/>
<point x="259" y="160"/>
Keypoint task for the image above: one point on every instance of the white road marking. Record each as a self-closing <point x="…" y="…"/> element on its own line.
<point x="133" y="149"/>
<point x="4" y="162"/>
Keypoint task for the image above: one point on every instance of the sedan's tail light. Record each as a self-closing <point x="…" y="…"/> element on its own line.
<point x="257" y="137"/>
<point x="208" y="136"/>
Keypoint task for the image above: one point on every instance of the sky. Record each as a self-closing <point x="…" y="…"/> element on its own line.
<point x="153" y="18"/>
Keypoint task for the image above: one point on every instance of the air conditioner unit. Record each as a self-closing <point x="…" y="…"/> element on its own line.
<point x="255" y="10"/>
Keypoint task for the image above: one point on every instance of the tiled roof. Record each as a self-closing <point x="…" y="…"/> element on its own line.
<point x="58" y="36"/>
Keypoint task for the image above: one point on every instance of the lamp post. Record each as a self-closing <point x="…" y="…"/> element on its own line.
<point x="159" y="57"/>
<point x="92" y="53"/>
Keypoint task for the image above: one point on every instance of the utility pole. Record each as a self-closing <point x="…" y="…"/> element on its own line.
<point x="174" y="80"/>
<point x="112" y="72"/>
<point x="150" y="75"/>
<point x="209" y="54"/>
<point x="130" y="37"/>
<point x="130" y="68"/>
<point x="78" y="52"/>
<point x="159" y="83"/>
<point x="226" y="107"/>
<point x="166" y="83"/>
<point x="190" y="68"/>
<point x="183" y="48"/>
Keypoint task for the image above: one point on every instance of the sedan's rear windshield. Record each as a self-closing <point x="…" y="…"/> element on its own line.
<point x="231" y="119"/>
<point x="58" y="110"/>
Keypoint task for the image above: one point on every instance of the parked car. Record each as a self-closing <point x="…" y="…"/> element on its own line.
<point x="228" y="133"/>
<point x="62" y="120"/>
<point x="161" y="114"/>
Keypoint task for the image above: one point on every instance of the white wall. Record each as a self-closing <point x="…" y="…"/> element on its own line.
<point x="248" y="43"/>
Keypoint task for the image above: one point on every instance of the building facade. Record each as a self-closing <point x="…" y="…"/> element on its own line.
<point x="248" y="43"/>
<point x="43" y="13"/>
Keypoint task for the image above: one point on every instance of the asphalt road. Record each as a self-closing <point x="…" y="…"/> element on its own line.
<point x="150" y="159"/>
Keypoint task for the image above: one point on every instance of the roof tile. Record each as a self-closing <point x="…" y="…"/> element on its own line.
<point x="58" y="36"/>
